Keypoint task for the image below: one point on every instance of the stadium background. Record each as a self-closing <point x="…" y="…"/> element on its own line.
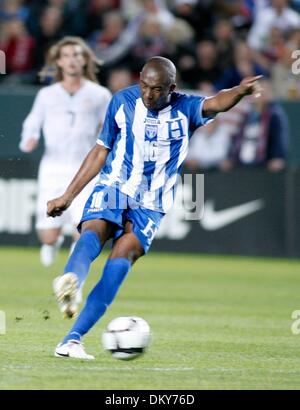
<point x="201" y="38"/>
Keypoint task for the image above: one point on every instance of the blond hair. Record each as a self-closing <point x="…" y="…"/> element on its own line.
<point x="51" y="68"/>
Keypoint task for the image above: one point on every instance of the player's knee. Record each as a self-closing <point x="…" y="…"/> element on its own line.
<point x="101" y="228"/>
<point x="48" y="237"/>
<point x="135" y="254"/>
<point x="132" y="254"/>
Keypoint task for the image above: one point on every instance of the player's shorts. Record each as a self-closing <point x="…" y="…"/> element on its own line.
<point x="110" y="204"/>
<point x="52" y="184"/>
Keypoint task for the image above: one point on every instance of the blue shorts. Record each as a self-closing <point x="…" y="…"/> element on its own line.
<point x="110" y="204"/>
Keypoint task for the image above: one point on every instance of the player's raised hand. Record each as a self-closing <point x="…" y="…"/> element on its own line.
<point x="251" y="86"/>
<point x="57" y="206"/>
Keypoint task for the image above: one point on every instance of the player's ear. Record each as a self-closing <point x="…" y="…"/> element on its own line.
<point x="172" y="88"/>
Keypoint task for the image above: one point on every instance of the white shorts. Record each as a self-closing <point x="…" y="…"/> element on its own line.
<point x="52" y="183"/>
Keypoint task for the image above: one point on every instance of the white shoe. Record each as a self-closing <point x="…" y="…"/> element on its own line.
<point x="73" y="349"/>
<point x="49" y="252"/>
<point x="68" y="294"/>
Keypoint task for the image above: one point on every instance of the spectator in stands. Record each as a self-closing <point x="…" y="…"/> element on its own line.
<point x="131" y="9"/>
<point x="75" y="17"/>
<point x="263" y="135"/>
<point x="96" y="10"/>
<point x="205" y="67"/>
<point x="158" y="10"/>
<point x="209" y="146"/>
<point x="18" y="46"/>
<point x="243" y="66"/>
<point x="180" y="39"/>
<point x="285" y="84"/>
<point x="198" y="34"/>
<point x="119" y="78"/>
<point x="275" y="48"/>
<point x="241" y="13"/>
<point x="113" y="43"/>
<point x="113" y="26"/>
<point x="35" y="10"/>
<point x="198" y="14"/>
<point x="50" y="31"/>
<point x="149" y="42"/>
<point x="278" y="15"/>
<point x="223" y="35"/>
<point x="13" y="9"/>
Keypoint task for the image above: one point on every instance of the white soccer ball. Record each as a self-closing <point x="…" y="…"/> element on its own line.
<point x="127" y="337"/>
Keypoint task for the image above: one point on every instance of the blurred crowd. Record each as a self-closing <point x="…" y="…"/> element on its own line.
<point x="214" y="44"/>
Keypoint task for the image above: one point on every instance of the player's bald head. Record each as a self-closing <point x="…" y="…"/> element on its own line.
<point x="157" y="82"/>
<point x="160" y="67"/>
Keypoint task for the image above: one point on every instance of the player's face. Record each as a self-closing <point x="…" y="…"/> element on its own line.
<point x="155" y="90"/>
<point x="71" y="60"/>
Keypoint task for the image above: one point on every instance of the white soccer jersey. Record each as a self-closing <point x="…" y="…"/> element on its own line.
<point x="147" y="148"/>
<point x="69" y="123"/>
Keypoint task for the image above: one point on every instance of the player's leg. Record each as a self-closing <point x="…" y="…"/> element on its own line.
<point x="126" y="250"/>
<point x="75" y="211"/>
<point x="97" y="224"/>
<point x="48" y="229"/>
<point x="67" y="287"/>
<point x="49" y="236"/>
<point x="139" y="231"/>
<point x="135" y="240"/>
<point x="51" y="240"/>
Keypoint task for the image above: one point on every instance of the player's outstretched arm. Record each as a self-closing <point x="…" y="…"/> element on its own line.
<point x="90" y="167"/>
<point x="226" y="99"/>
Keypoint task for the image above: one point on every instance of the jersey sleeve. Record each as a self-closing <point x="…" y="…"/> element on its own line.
<point x="34" y="121"/>
<point x="196" y="112"/>
<point x="110" y="128"/>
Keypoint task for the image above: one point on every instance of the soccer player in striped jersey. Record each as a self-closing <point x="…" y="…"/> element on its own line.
<point x="139" y="154"/>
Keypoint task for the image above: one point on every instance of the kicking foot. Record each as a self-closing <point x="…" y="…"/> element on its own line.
<point x="73" y="349"/>
<point x="68" y="294"/>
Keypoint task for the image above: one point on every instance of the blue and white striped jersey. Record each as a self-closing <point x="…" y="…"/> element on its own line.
<point x="147" y="148"/>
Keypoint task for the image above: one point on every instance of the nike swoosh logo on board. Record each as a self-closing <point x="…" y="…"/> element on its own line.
<point x="213" y="220"/>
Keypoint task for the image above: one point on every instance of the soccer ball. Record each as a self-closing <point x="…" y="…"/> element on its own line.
<point x="127" y="337"/>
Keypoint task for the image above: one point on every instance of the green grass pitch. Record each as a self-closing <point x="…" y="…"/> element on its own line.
<point x="217" y="322"/>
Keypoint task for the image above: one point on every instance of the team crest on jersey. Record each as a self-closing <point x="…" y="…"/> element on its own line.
<point x="151" y="131"/>
<point x="151" y="127"/>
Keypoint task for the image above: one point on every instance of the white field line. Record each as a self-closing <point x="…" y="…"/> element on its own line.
<point x="99" y="368"/>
